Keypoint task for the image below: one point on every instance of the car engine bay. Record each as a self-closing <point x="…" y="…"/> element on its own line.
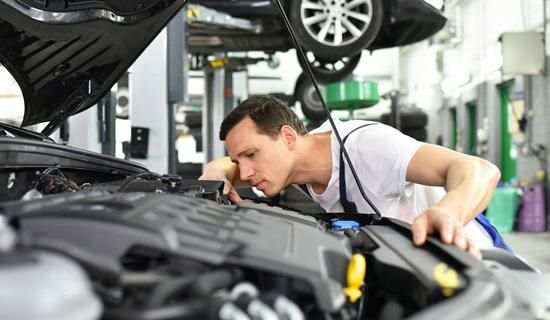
<point x="159" y="247"/>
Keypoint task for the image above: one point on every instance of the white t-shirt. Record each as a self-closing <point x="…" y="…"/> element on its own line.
<point x="381" y="155"/>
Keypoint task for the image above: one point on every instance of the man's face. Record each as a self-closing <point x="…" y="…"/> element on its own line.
<point x="263" y="161"/>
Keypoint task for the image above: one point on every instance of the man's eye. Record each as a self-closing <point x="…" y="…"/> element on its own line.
<point x="250" y="155"/>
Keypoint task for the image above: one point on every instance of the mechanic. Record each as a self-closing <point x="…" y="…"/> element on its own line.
<point x="269" y="148"/>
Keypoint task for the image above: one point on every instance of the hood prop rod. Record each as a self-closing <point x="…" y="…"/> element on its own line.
<point x="62" y="115"/>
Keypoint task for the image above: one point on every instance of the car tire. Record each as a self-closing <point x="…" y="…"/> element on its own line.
<point x="311" y="105"/>
<point x="410" y="118"/>
<point x="334" y="46"/>
<point x="420" y="134"/>
<point x="123" y="103"/>
<point x="330" y="70"/>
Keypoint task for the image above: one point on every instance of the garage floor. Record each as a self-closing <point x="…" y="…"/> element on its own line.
<point x="533" y="247"/>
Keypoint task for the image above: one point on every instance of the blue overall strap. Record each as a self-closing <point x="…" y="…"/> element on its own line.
<point x="349" y="207"/>
<point x="498" y="241"/>
<point x="304" y="189"/>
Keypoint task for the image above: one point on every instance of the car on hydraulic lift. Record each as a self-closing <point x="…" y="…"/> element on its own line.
<point x="333" y="33"/>
<point x="89" y="236"/>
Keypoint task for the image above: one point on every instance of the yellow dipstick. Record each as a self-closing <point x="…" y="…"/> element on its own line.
<point x="356" y="276"/>
<point x="447" y="278"/>
<point x="193" y="12"/>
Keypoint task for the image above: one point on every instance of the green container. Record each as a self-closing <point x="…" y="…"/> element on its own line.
<point x="351" y="95"/>
<point x="502" y="209"/>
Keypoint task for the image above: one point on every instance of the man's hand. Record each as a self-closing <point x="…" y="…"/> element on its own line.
<point x="440" y="220"/>
<point x="228" y="189"/>
<point x="223" y="169"/>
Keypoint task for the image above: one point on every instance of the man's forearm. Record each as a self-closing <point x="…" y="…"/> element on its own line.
<point x="225" y="167"/>
<point x="470" y="185"/>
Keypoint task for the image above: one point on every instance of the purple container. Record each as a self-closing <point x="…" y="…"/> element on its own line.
<point x="532" y="215"/>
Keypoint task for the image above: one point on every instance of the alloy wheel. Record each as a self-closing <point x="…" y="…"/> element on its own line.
<point x="336" y="22"/>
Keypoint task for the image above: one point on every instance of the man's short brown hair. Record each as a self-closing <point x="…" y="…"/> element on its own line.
<point x="268" y="113"/>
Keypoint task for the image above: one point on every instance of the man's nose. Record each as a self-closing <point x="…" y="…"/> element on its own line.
<point x="246" y="172"/>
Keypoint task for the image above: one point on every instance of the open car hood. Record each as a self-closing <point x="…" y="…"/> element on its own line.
<point x="65" y="55"/>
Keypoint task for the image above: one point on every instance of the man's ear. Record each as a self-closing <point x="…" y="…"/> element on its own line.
<point x="289" y="136"/>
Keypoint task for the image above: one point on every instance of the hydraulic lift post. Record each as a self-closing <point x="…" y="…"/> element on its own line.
<point x="217" y="102"/>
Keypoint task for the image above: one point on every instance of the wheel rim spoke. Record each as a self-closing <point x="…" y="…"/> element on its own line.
<point x="315" y="19"/>
<point x="351" y="28"/>
<point x="313" y="5"/>
<point x="359" y="16"/>
<point x="324" y="31"/>
<point x="355" y="3"/>
<point x="338" y="32"/>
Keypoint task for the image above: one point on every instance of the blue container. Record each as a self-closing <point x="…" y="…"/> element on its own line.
<point x="342" y="225"/>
